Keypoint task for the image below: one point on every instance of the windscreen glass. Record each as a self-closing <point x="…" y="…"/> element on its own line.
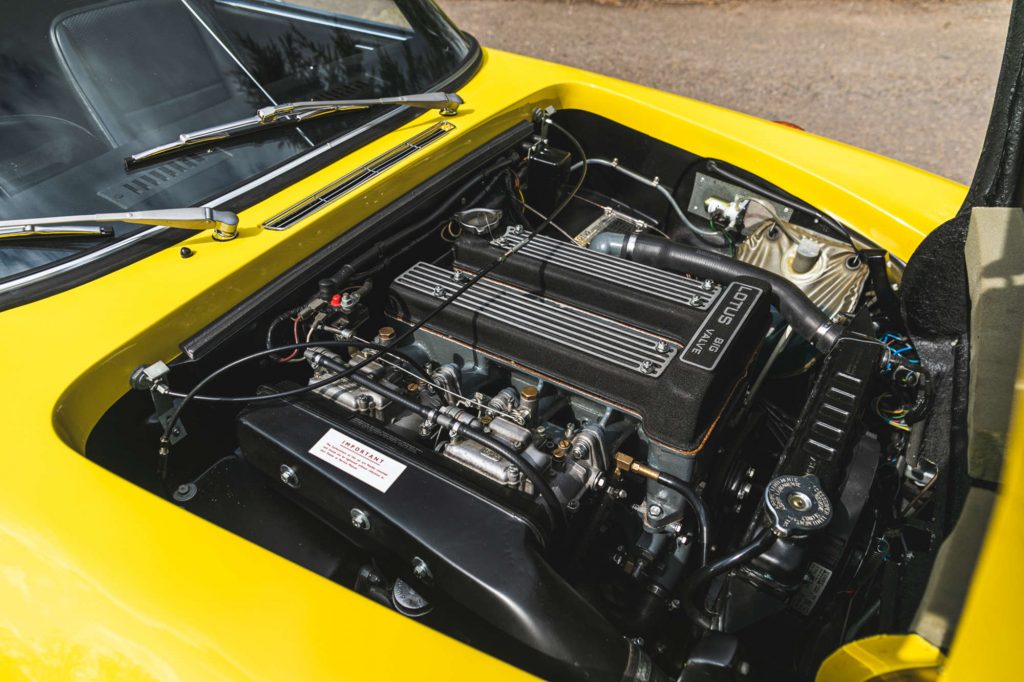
<point x="87" y="84"/>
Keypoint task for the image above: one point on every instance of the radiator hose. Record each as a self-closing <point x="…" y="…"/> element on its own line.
<point x="806" y="318"/>
<point x="758" y="546"/>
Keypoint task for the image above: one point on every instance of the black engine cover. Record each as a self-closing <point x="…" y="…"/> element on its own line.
<point x="403" y="504"/>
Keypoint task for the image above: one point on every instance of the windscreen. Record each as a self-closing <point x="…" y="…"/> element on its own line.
<point x="86" y="84"/>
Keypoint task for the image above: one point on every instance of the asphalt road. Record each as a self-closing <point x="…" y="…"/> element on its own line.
<point x="908" y="79"/>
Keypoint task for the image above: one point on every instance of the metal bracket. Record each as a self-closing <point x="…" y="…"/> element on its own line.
<point x="153" y="378"/>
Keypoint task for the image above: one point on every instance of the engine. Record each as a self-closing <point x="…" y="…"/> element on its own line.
<point x="605" y="448"/>
<point x="561" y="355"/>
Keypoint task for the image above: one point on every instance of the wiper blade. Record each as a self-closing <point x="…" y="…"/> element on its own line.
<point x="21" y="231"/>
<point x="294" y="113"/>
<point x="223" y="223"/>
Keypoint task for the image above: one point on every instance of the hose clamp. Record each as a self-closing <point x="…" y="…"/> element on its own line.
<point x="630" y="243"/>
<point x="828" y="332"/>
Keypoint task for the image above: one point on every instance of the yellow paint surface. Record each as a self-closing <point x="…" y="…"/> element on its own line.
<point x="99" y="579"/>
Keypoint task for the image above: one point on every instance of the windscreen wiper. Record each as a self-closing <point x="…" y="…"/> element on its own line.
<point x="21" y="231"/>
<point x="223" y="223"/>
<point x="294" y="113"/>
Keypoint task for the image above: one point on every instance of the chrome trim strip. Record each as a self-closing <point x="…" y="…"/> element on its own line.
<point x="300" y="16"/>
<point x="354" y="179"/>
<point x="234" y="58"/>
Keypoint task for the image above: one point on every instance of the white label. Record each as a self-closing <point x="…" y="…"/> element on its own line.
<point x="814" y="584"/>
<point x="368" y="465"/>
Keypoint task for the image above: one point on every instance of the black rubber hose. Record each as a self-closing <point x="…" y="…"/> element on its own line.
<point x="552" y="506"/>
<point x="699" y="509"/>
<point x="806" y="318"/>
<point x="758" y="545"/>
<point x="276" y="321"/>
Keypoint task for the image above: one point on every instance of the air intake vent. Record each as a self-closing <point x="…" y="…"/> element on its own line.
<point x="363" y="174"/>
<point x="142" y="185"/>
<point x="355" y="88"/>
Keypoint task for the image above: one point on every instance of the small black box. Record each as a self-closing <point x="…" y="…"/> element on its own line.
<point x="546" y="172"/>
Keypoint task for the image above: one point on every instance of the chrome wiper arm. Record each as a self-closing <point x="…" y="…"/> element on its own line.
<point x="223" y="223"/>
<point x="294" y="113"/>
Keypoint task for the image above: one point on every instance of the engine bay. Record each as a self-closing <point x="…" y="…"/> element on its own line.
<point x="595" y="405"/>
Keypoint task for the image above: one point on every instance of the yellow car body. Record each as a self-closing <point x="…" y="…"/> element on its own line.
<point x="101" y="579"/>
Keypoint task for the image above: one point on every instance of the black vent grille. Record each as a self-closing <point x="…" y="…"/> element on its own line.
<point x="356" y="88"/>
<point x="170" y="172"/>
<point x="347" y="183"/>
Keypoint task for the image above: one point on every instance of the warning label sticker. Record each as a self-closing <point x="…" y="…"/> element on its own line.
<point x="814" y="584"/>
<point x="365" y="463"/>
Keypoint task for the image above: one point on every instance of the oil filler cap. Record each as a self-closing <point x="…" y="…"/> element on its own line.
<point x="797" y="505"/>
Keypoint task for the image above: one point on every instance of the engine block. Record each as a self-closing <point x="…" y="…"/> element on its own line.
<point x="668" y="350"/>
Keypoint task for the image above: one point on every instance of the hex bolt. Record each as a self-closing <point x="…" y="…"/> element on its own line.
<point x="185" y="492"/>
<point x="647" y="366"/>
<point x="661" y="346"/>
<point x="421" y="570"/>
<point x="707" y="285"/>
<point x="654" y="511"/>
<point x="359" y="519"/>
<point x="289" y="476"/>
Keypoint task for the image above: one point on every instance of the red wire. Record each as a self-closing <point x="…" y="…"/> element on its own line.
<point x="295" y="352"/>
